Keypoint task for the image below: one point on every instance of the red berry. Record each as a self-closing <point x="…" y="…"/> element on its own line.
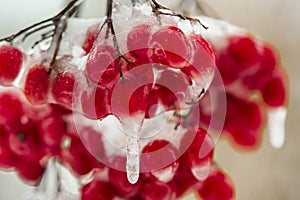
<point x="52" y="129"/>
<point x="101" y="59"/>
<point x="274" y="92"/>
<point x="24" y="140"/>
<point x="119" y="179"/>
<point x="93" y="142"/>
<point x="155" y="190"/>
<point x="139" y="100"/>
<point x="158" y="155"/>
<point x="30" y="170"/>
<point x="78" y="158"/>
<point x="216" y="187"/>
<point x="11" y="109"/>
<point x="203" y="54"/>
<point x="94" y="102"/>
<point x="137" y="42"/>
<point x="268" y="59"/>
<point x="90" y="38"/>
<point x="98" y="190"/>
<point x="197" y="147"/>
<point x="244" y="52"/>
<point x="202" y="66"/>
<point x="228" y="68"/>
<point x="244" y="120"/>
<point x="161" y="95"/>
<point x="11" y="60"/>
<point x="37" y="85"/>
<point x="170" y="46"/>
<point x="62" y="89"/>
<point x="183" y="173"/>
<point x="7" y="158"/>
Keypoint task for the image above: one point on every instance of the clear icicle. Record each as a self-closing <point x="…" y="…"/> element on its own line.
<point x="276" y="126"/>
<point x="133" y="159"/>
<point x="48" y="186"/>
<point x="201" y="172"/>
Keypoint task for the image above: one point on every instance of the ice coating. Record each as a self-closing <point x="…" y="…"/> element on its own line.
<point x="276" y="127"/>
<point x="57" y="183"/>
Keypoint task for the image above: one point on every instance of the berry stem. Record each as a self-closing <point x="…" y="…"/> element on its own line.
<point x="133" y="2"/>
<point x="184" y="117"/>
<point x="156" y="8"/>
<point x="60" y="26"/>
<point x="110" y="29"/>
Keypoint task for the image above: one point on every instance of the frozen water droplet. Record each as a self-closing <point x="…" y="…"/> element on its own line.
<point x="201" y="171"/>
<point x="133" y="159"/>
<point x="276" y="126"/>
<point x="166" y="174"/>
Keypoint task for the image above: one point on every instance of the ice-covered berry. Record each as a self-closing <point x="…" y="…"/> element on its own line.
<point x="98" y="190"/>
<point x="37" y="85"/>
<point x="63" y="89"/>
<point x="95" y="102"/>
<point x="170" y="47"/>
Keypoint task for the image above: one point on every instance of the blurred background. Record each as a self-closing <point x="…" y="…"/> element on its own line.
<point x="263" y="174"/>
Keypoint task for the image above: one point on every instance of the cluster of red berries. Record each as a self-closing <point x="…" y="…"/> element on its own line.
<point x="180" y="178"/>
<point x="31" y="135"/>
<point x="255" y="83"/>
<point x="166" y="50"/>
<point x="151" y="67"/>
<point x="34" y="134"/>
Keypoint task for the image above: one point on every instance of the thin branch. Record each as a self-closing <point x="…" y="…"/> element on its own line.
<point x="156" y="8"/>
<point x="43" y="24"/>
<point x="110" y="29"/>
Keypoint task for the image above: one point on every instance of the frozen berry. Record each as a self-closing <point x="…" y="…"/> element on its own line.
<point x="170" y="46"/>
<point x="100" y="60"/>
<point x="94" y="102"/>
<point x="62" y="89"/>
<point x="37" y="85"/>
<point x="98" y="190"/>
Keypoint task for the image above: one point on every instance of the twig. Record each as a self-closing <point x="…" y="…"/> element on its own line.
<point x="110" y="29"/>
<point x="156" y="8"/>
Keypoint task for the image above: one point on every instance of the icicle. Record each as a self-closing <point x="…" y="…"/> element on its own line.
<point x="57" y="184"/>
<point x="48" y="186"/>
<point x="133" y="159"/>
<point x="276" y="127"/>
<point x="201" y="171"/>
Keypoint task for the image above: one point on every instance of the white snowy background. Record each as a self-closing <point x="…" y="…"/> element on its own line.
<point x="261" y="175"/>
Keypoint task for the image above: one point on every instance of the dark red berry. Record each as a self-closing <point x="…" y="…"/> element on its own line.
<point x="62" y="89"/>
<point x="170" y="46"/>
<point x="156" y="190"/>
<point x="157" y="155"/>
<point x="98" y="190"/>
<point x="216" y="187"/>
<point x="138" y="42"/>
<point x="90" y="38"/>
<point x="101" y="59"/>
<point x="119" y="179"/>
<point x="11" y="60"/>
<point x="37" y="85"/>
<point x="95" y="103"/>
<point x="274" y="92"/>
